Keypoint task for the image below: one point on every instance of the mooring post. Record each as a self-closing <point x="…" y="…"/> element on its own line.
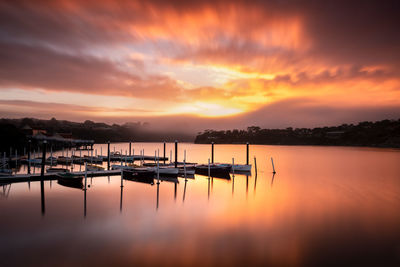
<point x="130" y="148"/>
<point x="16" y="159"/>
<point x="158" y="172"/>
<point x="247" y="153"/>
<point x="85" y="175"/>
<point x="212" y="152"/>
<point x="43" y="159"/>
<point x="184" y="170"/>
<point x="101" y="152"/>
<point x="108" y="155"/>
<point x="233" y="166"/>
<point x="122" y="175"/>
<point x="176" y="153"/>
<point x="255" y="165"/>
<point x="273" y="167"/>
<point x="164" y="153"/>
<point x="170" y="156"/>
<point x="29" y="156"/>
<point x="51" y="156"/>
<point x="209" y="170"/>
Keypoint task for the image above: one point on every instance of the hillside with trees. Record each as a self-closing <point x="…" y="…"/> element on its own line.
<point x="385" y="133"/>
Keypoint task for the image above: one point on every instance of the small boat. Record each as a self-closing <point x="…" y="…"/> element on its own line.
<point x="216" y="171"/>
<point x="56" y="170"/>
<point x="118" y="167"/>
<point x="70" y="179"/>
<point x="189" y="170"/>
<point x="165" y="171"/>
<point x="237" y="167"/>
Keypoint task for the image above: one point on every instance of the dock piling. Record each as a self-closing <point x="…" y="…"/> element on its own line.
<point x="164" y="152"/>
<point x="176" y="153"/>
<point x="29" y="156"/>
<point x="209" y="170"/>
<point x="247" y="153"/>
<point x="43" y="159"/>
<point x="108" y="155"/>
<point x="255" y="165"/>
<point x="233" y="166"/>
<point x="273" y="167"/>
<point x="85" y="176"/>
<point x="122" y="176"/>
<point x="212" y="152"/>
<point x="130" y="148"/>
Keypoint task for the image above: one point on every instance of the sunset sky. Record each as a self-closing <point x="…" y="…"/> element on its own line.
<point x="206" y="64"/>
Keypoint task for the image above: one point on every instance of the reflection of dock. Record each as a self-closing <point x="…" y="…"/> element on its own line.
<point x="52" y="176"/>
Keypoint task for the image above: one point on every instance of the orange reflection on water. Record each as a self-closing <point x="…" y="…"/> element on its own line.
<point x="324" y="205"/>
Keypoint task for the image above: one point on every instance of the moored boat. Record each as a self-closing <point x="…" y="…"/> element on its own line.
<point x="215" y="171"/>
<point x="56" y="170"/>
<point x="237" y="167"/>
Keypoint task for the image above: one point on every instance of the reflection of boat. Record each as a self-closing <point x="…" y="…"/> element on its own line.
<point x="92" y="167"/>
<point x="169" y="179"/>
<point x="215" y="171"/>
<point x="140" y="178"/>
<point x="71" y="185"/>
<point x="237" y="167"/>
<point x="138" y="173"/>
<point x="71" y="179"/>
<point x="53" y="169"/>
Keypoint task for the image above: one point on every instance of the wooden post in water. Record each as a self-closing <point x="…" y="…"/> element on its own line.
<point x="158" y="173"/>
<point x="233" y="166"/>
<point x="16" y="160"/>
<point x="209" y="170"/>
<point x="164" y="153"/>
<point x="247" y="153"/>
<point x="212" y="152"/>
<point x="176" y="153"/>
<point x="122" y="176"/>
<point x="273" y="167"/>
<point x="255" y="165"/>
<point x="43" y="159"/>
<point x="29" y="156"/>
<point x="130" y="148"/>
<point x="85" y="176"/>
<point x="108" y="155"/>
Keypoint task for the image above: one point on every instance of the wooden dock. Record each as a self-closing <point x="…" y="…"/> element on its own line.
<point x="51" y="176"/>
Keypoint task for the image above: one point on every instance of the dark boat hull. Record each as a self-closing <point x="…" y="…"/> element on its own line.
<point x="69" y="183"/>
<point x="137" y="174"/>
<point x="215" y="172"/>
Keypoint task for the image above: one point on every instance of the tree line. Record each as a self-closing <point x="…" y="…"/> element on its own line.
<point x="385" y="133"/>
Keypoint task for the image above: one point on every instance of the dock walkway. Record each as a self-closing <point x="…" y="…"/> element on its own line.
<point x="51" y="176"/>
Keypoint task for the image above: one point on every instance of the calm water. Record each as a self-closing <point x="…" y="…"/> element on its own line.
<point x="326" y="206"/>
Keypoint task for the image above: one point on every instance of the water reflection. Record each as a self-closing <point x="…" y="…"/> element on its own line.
<point x="313" y="217"/>
<point x="120" y="205"/>
<point x="272" y="180"/>
<point x="42" y="197"/>
<point x="84" y="202"/>
<point x="184" y="191"/>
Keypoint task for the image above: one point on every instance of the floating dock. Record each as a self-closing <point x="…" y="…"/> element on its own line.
<point x="51" y="176"/>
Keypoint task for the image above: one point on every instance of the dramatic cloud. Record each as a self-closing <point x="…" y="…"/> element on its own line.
<point x="203" y="58"/>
